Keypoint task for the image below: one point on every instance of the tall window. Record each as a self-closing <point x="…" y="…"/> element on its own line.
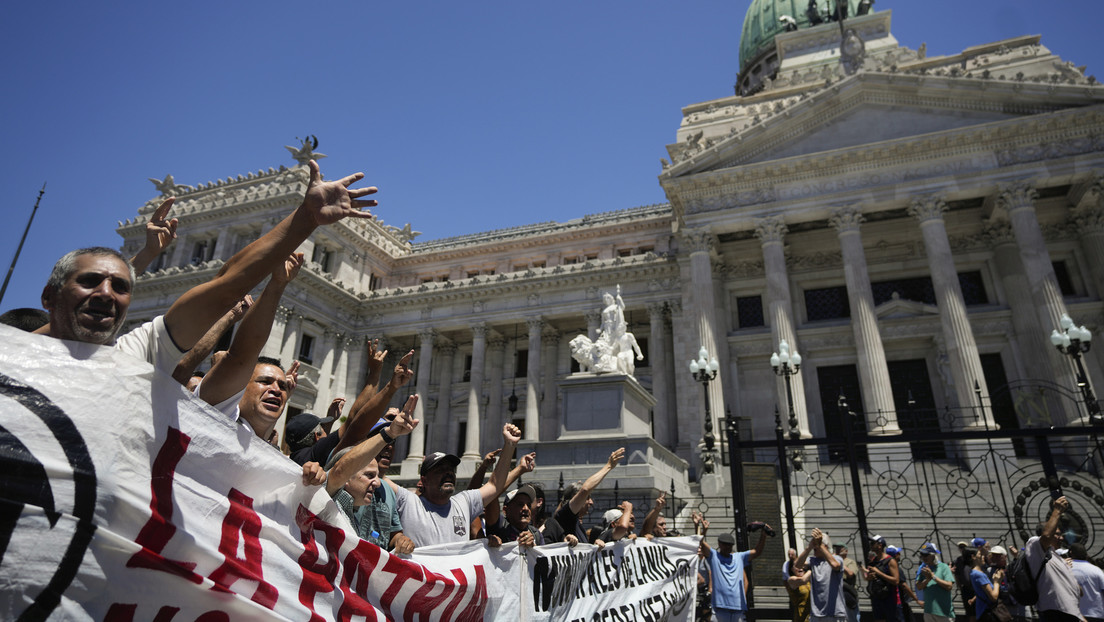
<point x="749" y="311"/>
<point x="915" y="404"/>
<point x="322" y="256"/>
<point x="306" y="349"/>
<point x="827" y="303"/>
<point x="835" y="380"/>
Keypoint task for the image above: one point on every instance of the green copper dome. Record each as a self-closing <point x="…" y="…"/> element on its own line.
<point x="761" y="23"/>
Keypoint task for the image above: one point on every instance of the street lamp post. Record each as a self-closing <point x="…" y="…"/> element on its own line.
<point x="704" y="370"/>
<point x="1074" y="341"/>
<point x="787" y="364"/>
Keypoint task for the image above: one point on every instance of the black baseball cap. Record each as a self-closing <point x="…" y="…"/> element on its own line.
<point x="436" y="458"/>
<point x="299" y="429"/>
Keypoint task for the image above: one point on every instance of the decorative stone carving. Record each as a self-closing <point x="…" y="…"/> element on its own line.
<point x="846" y="219"/>
<point x="305" y="152"/>
<point x="699" y="240"/>
<point x="927" y="208"/>
<point x="770" y="229"/>
<point x="615" y="346"/>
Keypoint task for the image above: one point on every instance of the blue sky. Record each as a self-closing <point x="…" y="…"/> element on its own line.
<point x="468" y="116"/>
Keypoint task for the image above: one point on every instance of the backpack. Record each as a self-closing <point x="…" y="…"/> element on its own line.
<point x="1023" y="587"/>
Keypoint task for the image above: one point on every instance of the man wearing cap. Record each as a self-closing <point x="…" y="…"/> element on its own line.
<point x="936" y="581"/>
<point x="515" y="521"/>
<point x="883" y="577"/>
<point x="353" y="481"/>
<point x="726" y="571"/>
<point x="826" y="598"/>
<point x="307" y="436"/>
<point x="441" y="515"/>
<point x="619" y="522"/>
<point x="1059" y="592"/>
<point x="565" y="525"/>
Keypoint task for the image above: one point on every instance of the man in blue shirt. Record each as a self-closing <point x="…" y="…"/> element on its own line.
<point x="727" y="570"/>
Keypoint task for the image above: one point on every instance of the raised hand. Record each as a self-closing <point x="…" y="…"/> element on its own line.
<point x="489" y="459"/>
<point x="329" y="201"/>
<point x="292" y="376"/>
<point x="402" y="373"/>
<point x="616" y="457"/>
<point x="335" y="408"/>
<point x="511" y="433"/>
<point x="375" y="356"/>
<point x="404" y="422"/>
<point x="238" y="310"/>
<point x="660" y="501"/>
<point x="285" y="272"/>
<point x="528" y="462"/>
<point x="160" y="232"/>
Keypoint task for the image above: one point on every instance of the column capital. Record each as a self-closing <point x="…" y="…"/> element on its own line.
<point x="656" y="310"/>
<point x="927" y="209"/>
<point x="535" y="323"/>
<point x="446" y="346"/>
<point x="771" y="229"/>
<point x="699" y="240"/>
<point x="593" y="316"/>
<point x="846" y="219"/>
<point x="495" y="340"/>
<point x="1016" y="195"/>
<point x="550" y="338"/>
<point x="479" y="330"/>
<point x="427" y="334"/>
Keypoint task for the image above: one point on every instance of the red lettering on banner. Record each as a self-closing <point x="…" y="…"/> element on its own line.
<point x="423" y="602"/>
<point x="358" y="567"/>
<point x="317" y="578"/>
<point x="242" y="519"/>
<point x="404" y="571"/>
<point x="477" y="606"/>
<point x="159" y="529"/>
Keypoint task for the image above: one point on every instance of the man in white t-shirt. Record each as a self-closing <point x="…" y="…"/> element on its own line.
<point x="441" y="515"/>
<point x="1059" y="591"/>
<point x="89" y="290"/>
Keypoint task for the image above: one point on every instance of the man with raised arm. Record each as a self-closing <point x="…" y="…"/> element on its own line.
<point x="726" y="570"/>
<point x="441" y="514"/>
<point x="89" y="290"/>
<point x="565" y="524"/>
<point x="826" y="596"/>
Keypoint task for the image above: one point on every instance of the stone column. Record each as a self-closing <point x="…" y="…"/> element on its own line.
<point x="1032" y="340"/>
<point x="962" y="352"/>
<point x="550" y="350"/>
<point x="475" y="393"/>
<point x="421" y="384"/>
<point x="223" y="246"/>
<point x="770" y="232"/>
<point x="877" y="393"/>
<point x="1017" y="201"/>
<point x="1089" y="218"/>
<point x="338" y="386"/>
<point x="291" y="337"/>
<point x="532" y="380"/>
<point x="277" y="335"/>
<point x="657" y="360"/>
<point x="325" y="371"/>
<point x="593" y="320"/>
<point x="496" y="347"/>
<point x="441" y="440"/>
<point x="356" y="370"/>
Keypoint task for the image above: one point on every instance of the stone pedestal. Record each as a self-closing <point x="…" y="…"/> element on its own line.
<point x="604" y="406"/>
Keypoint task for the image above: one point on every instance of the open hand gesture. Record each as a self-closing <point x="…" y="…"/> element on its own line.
<point x="404" y="422"/>
<point x="330" y="201"/>
<point x="617" y="456"/>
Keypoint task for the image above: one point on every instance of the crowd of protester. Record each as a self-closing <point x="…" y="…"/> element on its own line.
<point x="87" y="297"/>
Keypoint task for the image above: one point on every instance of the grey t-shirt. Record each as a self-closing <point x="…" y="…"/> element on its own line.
<point x="826" y="590"/>
<point x="1058" y="587"/>
<point x="427" y="523"/>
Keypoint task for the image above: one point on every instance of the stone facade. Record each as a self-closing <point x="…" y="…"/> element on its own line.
<point x="877" y="208"/>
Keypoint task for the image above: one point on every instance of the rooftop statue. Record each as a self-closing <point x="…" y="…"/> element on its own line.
<point x="613" y="350"/>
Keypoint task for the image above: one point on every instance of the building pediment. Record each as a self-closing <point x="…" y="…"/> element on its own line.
<point x="898" y="307"/>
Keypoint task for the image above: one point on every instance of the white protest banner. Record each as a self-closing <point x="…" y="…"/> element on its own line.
<point x="630" y="580"/>
<point x="124" y="498"/>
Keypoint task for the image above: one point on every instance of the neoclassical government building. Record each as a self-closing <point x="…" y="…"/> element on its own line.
<point x="913" y="225"/>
